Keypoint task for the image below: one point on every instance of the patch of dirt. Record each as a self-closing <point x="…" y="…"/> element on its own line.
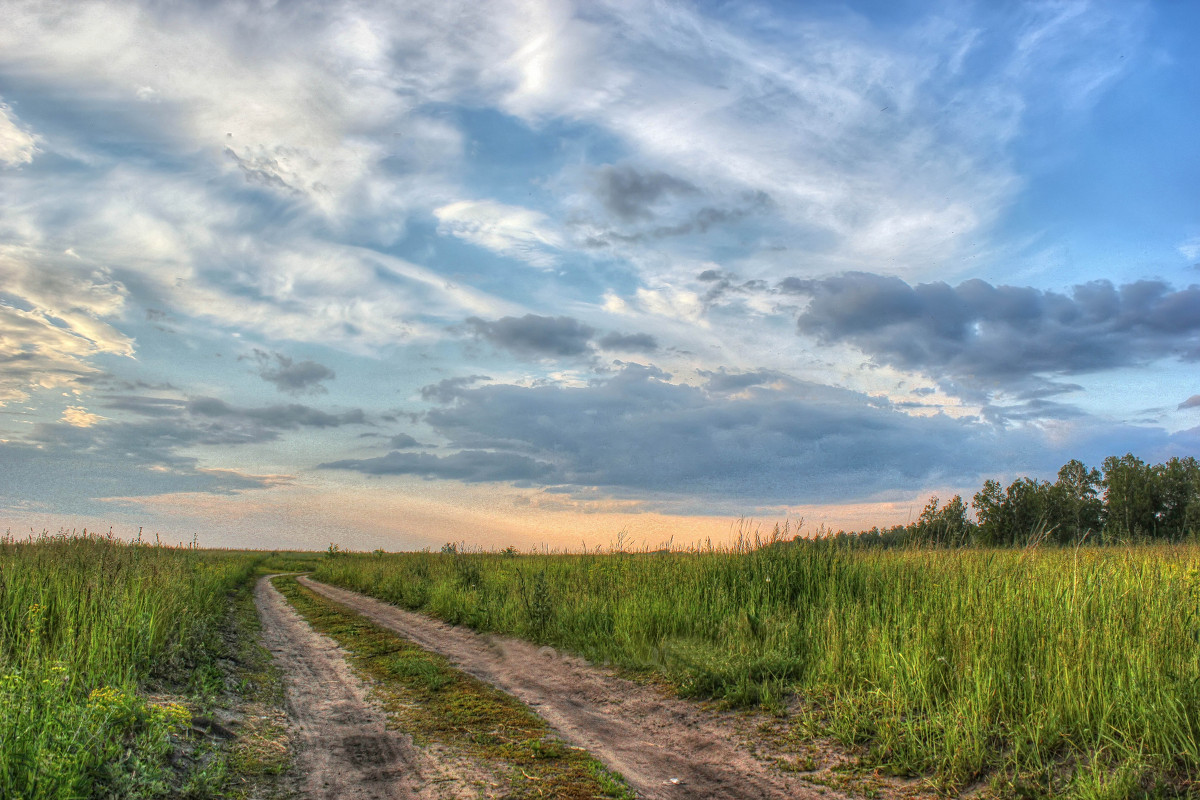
<point x="664" y="747"/>
<point x="344" y="748"/>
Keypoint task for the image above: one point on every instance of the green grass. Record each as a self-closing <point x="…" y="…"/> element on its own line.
<point x="105" y="650"/>
<point x="1041" y="673"/>
<point x="438" y="704"/>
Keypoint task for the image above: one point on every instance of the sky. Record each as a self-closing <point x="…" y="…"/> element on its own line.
<point x="543" y="273"/>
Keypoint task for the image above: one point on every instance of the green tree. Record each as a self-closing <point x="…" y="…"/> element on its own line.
<point x="1130" y="497"/>
<point x="947" y="526"/>
<point x="989" y="508"/>
<point x="1177" y="490"/>
<point x="1075" y="506"/>
<point x="1028" y="504"/>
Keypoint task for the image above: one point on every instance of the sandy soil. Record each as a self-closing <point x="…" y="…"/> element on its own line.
<point x="663" y="746"/>
<point x="344" y="749"/>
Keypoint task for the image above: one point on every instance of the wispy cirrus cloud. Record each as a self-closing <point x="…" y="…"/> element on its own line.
<point x="520" y="233"/>
<point x="17" y="145"/>
<point x="55" y="315"/>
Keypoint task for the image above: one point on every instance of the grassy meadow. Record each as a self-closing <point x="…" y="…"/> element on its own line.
<point x="1039" y="672"/>
<point x="104" y="649"/>
<point x="1033" y="673"/>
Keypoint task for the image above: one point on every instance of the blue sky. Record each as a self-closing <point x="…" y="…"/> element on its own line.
<point x="390" y="274"/>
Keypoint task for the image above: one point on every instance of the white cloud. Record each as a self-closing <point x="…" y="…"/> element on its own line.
<point x="509" y="230"/>
<point x="80" y="417"/>
<point x="834" y="129"/>
<point x="17" y="146"/>
<point x="54" y="321"/>
<point x="1070" y="45"/>
<point x="1190" y="249"/>
<point x="334" y="108"/>
<point x="672" y="303"/>
<point x="873" y="150"/>
<point x="197" y="251"/>
<point x="870" y="151"/>
<point x="302" y="103"/>
<point x="337" y="295"/>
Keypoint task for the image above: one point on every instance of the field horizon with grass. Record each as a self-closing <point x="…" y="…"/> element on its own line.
<point x="1040" y="672"/>
<point x="1045" y="671"/>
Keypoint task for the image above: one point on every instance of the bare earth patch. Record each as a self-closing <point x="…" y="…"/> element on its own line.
<point x="663" y="746"/>
<point x="344" y="748"/>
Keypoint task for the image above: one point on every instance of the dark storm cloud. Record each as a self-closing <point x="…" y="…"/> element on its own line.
<point x="144" y="405"/>
<point x="724" y="381"/>
<point x="722" y="284"/>
<point x="403" y="441"/>
<point x="678" y="218"/>
<point x="629" y="342"/>
<point x="784" y="441"/>
<point x="1030" y="411"/>
<point x="473" y="466"/>
<point x="272" y="418"/>
<point x="444" y="391"/>
<point x="630" y="195"/>
<point x="1001" y="335"/>
<point x="1038" y="389"/>
<point x="292" y="377"/>
<point x="211" y="413"/>
<point x="532" y="335"/>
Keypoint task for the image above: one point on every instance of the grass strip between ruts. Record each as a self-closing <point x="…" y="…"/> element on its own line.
<point x="437" y="704"/>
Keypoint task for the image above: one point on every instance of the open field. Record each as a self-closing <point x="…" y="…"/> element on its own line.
<point x="1059" y="672"/>
<point x="134" y="671"/>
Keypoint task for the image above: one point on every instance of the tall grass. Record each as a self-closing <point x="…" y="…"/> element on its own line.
<point x="1058" y="672"/>
<point x="87" y="624"/>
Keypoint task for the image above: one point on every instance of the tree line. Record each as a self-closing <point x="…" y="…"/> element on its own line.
<point x="1125" y="500"/>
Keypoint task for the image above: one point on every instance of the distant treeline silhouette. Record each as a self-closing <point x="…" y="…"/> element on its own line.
<point x="1128" y="501"/>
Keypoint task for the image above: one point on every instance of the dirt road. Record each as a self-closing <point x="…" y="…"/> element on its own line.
<point x="664" y="747"/>
<point x="344" y="749"/>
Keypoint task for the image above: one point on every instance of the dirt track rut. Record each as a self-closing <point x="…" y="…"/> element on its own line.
<point x="664" y="747"/>
<point x="344" y="749"/>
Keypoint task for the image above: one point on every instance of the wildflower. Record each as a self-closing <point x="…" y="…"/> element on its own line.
<point x="34" y="611"/>
<point x="173" y="714"/>
<point x="104" y="698"/>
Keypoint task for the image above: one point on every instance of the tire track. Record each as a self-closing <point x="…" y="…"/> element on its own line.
<point x="344" y="749"/>
<point x="666" y="748"/>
